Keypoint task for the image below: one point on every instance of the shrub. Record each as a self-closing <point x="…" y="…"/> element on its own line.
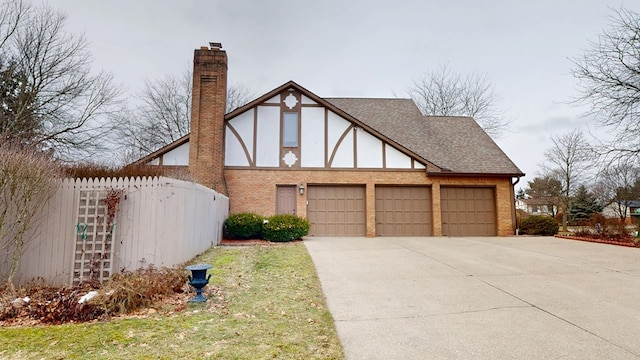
<point x="26" y="185"/>
<point x="92" y="170"/>
<point x="125" y="292"/>
<point x="539" y="225"/>
<point x="128" y="291"/>
<point x="285" y="227"/>
<point x="243" y="226"/>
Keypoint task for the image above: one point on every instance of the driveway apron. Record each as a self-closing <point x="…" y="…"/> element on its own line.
<point x="481" y="298"/>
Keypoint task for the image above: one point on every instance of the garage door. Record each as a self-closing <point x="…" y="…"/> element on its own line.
<point x="336" y="210"/>
<point x="468" y="211"/>
<point x="403" y="211"/>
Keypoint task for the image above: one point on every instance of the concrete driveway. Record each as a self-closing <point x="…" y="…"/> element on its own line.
<point x="481" y="298"/>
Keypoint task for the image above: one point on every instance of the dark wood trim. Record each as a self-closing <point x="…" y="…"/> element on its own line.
<point x="326" y="138"/>
<point x="319" y="169"/>
<point x="483" y="175"/>
<point x="355" y="146"/>
<point x="255" y="135"/>
<point x="296" y="150"/>
<point x="384" y="155"/>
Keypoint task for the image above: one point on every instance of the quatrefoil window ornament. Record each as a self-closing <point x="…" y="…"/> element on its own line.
<point x="290" y="158"/>
<point x="290" y="101"/>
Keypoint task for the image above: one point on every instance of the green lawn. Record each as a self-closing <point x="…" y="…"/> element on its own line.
<point x="272" y="308"/>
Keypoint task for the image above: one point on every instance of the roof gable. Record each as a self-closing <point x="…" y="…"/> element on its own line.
<point x="446" y="144"/>
<point x="454" y="144"/>
<point x="329" y="104"/>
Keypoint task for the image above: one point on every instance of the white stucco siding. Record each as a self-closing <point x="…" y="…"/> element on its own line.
<point x="312" y="147"/>
<point x="369" y="150"/>
<point x="268" y="136"/>
<point x="307" y="101"/>
<point x="234" y="155"/>
<point x="177" y="156"/>
<point x="395" y="159"/>
<point x="336" y="126"/>
<point x="274" y="100"/>
<point x="243" y="125"/>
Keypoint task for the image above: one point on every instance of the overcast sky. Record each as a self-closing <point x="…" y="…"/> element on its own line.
<point x="364" y="48"/>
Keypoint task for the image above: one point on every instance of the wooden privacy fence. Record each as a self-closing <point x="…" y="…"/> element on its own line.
<point x="98" y="227"/>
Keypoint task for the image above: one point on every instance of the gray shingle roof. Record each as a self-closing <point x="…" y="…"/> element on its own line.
<point x="452" y="143"/>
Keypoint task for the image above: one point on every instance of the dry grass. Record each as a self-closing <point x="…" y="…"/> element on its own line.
<point x="265" y="302"/>
<point x="124" y="293"/>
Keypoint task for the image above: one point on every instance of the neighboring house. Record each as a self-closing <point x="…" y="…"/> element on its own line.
<point x="536" y="207"/>
<point x="613" y="210"/>
<point x="352" y="166"/>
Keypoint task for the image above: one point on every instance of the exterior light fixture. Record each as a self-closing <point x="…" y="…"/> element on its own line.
<point x="301" y="189"/>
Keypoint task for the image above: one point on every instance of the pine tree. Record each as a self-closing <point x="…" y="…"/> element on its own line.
<point x="584" y="205"/>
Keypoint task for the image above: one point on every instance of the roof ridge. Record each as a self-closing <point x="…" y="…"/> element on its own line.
<point x="366" y="98"/>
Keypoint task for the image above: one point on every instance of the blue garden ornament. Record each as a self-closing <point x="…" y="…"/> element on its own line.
<point x="198" y="280"/>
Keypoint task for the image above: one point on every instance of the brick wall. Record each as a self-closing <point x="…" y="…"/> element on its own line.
<point x="255" y="190"/>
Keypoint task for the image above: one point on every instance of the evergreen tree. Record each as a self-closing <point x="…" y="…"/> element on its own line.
<point x="17" y="121"/>
<point x="583" y="205"/>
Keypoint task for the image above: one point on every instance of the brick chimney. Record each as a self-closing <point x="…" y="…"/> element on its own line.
<point x="209" y="97"/>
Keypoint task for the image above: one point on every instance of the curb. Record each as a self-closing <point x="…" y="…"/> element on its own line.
<point x="601" y="241"/>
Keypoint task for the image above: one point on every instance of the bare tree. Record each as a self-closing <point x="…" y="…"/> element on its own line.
<point x="164" y="114"/>
<point x="237" y="96"/>
<point x="58" y="95"/>
<point x="27" y="182"/>
<point x="11" y="12"/>
<point x="445" y="93"/>
<point x="618" y="185"/>
<point x="609" y="81"/>
<point x="568" y="161"/>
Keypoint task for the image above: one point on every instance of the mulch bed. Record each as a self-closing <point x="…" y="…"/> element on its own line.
<point x="628" y="243"/>
<point x="251" y="242"/>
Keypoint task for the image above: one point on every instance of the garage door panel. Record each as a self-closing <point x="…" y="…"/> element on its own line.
<point x="403" y="211"/>
<point x="468" y="211"/>
<point x="336" y="210"/>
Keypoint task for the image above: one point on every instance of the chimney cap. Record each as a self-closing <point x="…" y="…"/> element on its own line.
<point x="215" y="45"/>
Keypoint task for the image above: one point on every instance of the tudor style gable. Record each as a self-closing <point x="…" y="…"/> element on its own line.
<point x="291" y="130"/>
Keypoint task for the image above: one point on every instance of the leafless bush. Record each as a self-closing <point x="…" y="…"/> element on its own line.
<point x="132" y="290"/>
<point x="92" y="170"/>
<point x="27" y="182"/>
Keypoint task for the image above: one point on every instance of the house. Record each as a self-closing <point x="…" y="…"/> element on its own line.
<point x="352" y="166"/>
<point x="536" y="206"/>
<point x="614" y="209"/>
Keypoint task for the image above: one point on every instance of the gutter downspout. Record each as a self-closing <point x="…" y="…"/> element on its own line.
<point x="514" y="218"/>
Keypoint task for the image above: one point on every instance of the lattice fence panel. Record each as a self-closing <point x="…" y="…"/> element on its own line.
<point x="94" y="252"/>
